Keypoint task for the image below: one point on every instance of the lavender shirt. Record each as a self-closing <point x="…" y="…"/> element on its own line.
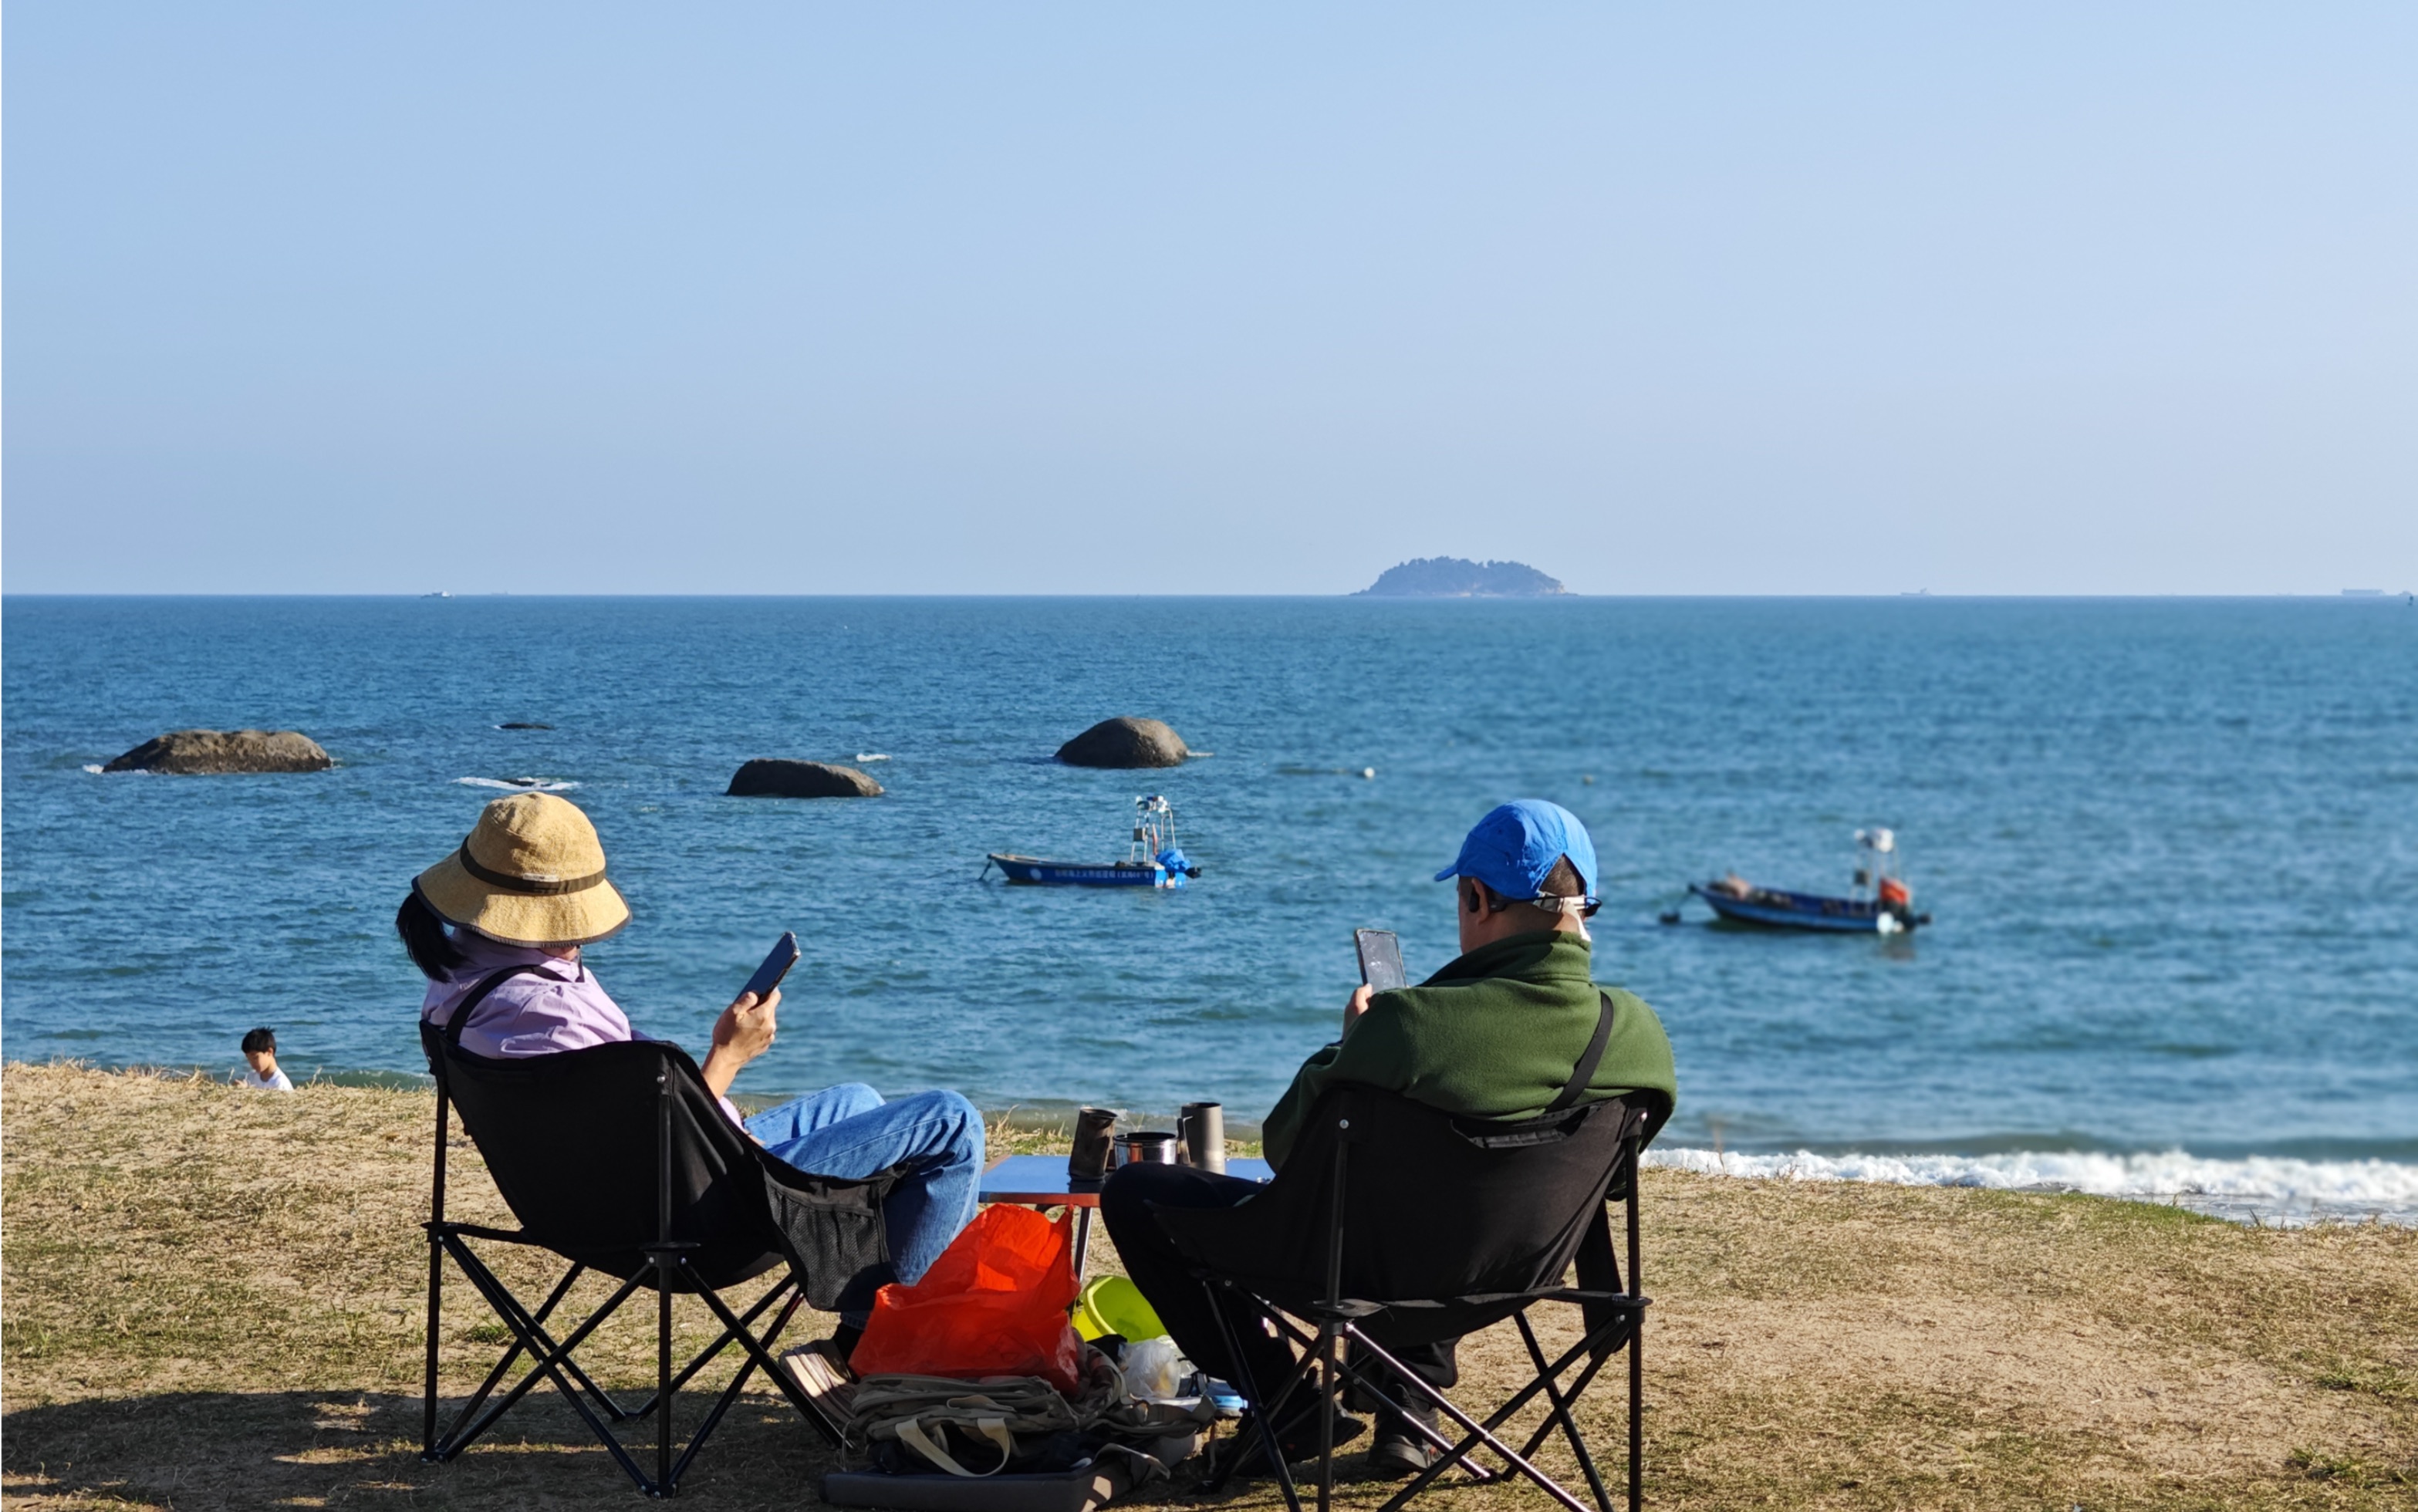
<point x="561" y="1006"/>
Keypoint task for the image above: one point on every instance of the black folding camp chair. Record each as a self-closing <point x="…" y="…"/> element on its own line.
<point x="1394" y="1225"/>
<point x="618" y="1159"/>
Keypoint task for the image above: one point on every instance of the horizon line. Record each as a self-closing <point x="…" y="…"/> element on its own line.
<point x="2355" y="595"/>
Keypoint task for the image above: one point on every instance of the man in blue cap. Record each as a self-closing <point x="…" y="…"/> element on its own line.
<point x="1496" y="1034"/>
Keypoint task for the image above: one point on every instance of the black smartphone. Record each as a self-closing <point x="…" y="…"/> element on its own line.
<point x="776" y="966"/>
<point x="1381" y="959"/>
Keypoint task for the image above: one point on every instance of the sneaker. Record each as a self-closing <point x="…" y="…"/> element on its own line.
<point x="1400" y="1450"/>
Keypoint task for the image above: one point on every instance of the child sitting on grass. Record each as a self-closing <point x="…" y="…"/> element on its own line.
<point x="260" y="1049"/>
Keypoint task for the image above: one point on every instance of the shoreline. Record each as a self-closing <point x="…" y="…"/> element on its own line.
<point x="213" y="1298"/>
<point x="2259" y="1190"/>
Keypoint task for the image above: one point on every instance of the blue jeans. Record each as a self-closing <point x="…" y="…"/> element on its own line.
<point x="850" y="1131"/>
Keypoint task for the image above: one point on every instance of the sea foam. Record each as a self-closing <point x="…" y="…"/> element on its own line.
<point x="520" y="784"/>
<point x="2265" y="1188"/>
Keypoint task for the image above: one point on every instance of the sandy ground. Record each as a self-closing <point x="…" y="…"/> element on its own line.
<point x="214" y="1299"/>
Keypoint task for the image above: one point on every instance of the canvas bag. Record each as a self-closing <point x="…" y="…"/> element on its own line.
<point x="1011" y="1415"/>
<point x="920" y="1412"/>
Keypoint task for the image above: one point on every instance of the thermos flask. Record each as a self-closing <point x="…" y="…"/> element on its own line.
<point x="1202" y="1126"/>
<point x="1095" y="1133"/>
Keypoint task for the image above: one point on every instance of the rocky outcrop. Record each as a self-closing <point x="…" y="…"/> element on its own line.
<point x="1126" y="741"/>
<point x="772" y="777"/>
<point x="197" y="751"/>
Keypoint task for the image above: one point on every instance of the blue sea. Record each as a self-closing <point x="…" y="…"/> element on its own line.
<point x="2171" y="848"/>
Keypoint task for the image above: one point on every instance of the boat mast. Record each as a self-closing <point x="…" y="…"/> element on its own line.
<point x="1154" y="830"/>
<point x="1877" y="862"/>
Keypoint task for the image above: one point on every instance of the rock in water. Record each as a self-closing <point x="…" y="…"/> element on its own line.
<point x="772" y="777"/>
<point x="195" y="751"/>
<point x="1126" y="741"/>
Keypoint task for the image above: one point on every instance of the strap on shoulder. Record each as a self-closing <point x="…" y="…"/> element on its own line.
<point x="1582" y="1075"/>
<point x="468" y="1005"/>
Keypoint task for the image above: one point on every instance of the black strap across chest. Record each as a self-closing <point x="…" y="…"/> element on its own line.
<point x="1582" y="1075"/>
<point x="468" y="1005"/>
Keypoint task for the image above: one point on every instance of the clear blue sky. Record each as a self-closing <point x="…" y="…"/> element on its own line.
<point x="1684" y="299"/>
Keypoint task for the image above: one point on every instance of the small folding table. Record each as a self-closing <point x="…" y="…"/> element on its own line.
<point x="1042" y="1182"/>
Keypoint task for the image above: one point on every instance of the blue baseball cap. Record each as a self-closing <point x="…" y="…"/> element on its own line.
<point x="1514" y="848"/>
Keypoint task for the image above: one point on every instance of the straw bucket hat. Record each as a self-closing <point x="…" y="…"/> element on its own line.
<point x="532" y="873"/>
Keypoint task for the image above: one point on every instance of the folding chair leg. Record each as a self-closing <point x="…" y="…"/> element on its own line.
<point x="737" y="1382"/>
<point x="681" y="1378"/>
<point x="436" y="1315"/>
<point x="1263" y="1416"/>
<point x="525" y="1327"/>
<point x="662" y="1485"/>
<point x="435" y="1268"/>
<point x="739" y="1327"/>
<point x="504" y="1366"/>
<point x="546" y="1362"/>
<point x="504" y="1302"/>
<point x="1326" y="1416"/>
<point x="1636" y="1394"/>
<point x="551" y="1360"/>
<point x="1578" y="1389"/>
<point x="761" y="1351"/>
<point x="1476" y="1432"/>
<point x="1386" y="1402"/>
<point x="1356" y="1376"/>
<point x="1594" y="1345"/>
<point x="1269" y="1444"/>
<point x="1561" y="1414"/>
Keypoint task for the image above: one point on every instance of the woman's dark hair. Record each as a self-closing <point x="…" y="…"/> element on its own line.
<point x="423" y="934"/>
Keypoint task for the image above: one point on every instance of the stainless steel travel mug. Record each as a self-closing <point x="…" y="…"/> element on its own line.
<point x="1204" y="1129"/>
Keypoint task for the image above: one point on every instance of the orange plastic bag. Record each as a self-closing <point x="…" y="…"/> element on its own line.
<point x="994" y="1304"/>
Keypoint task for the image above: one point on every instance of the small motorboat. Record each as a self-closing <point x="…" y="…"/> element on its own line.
<point x="1879" y="902"/>
<point x="1154" y="859"/>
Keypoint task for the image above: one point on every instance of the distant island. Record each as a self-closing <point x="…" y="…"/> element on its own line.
<point x="1456" y="577"/>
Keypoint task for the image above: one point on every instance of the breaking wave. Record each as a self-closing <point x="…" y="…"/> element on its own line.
<point x="520" y="784"/>
<point x="2264" y="1188"/>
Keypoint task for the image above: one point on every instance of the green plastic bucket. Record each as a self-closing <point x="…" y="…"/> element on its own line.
<point x="1112" y="1304"/>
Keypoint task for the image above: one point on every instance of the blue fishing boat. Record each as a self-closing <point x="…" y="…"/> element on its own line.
<point x="1879" y="904"/>
<point x="1154" y="859"/>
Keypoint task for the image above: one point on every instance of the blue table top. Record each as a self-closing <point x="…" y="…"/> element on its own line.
<point x="1043" y="1179"/>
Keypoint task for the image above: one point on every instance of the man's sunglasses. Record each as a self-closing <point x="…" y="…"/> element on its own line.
<point x="1555" y="902"/>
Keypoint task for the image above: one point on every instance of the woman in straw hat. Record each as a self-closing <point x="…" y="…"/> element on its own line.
<point x="528" y="889"/>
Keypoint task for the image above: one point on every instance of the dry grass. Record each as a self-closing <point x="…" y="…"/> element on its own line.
<point x="213" y="1299"/>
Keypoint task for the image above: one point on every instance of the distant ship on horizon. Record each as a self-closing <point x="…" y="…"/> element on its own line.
<point x="1457" y="577"/>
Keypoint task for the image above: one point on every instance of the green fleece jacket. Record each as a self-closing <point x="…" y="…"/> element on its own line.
<point x="1495" y="1034"/>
